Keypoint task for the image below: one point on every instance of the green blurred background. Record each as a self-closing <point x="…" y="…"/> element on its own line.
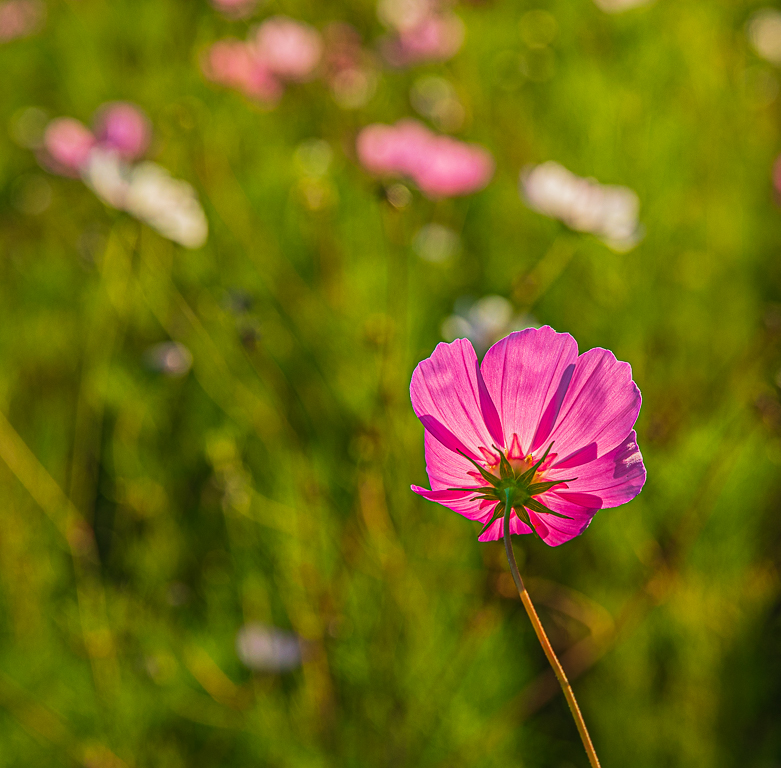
<point x="270" y="484"/>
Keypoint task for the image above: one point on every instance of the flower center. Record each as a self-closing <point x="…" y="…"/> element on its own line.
<point x="514" y="482"/>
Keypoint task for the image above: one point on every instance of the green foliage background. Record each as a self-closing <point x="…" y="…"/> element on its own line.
<point x="272" y="483"/>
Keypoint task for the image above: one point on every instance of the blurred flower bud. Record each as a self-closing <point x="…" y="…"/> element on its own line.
<point x="170" y="358"/>
<point x="764" y="34"/>
<point x="290" y="49"/>
<point x="234" y="64"/>
<point x="268" y="649"/>
<point x="484" y="321"/>
<point x="123" y="127"/>
<point x="67" y="144"/>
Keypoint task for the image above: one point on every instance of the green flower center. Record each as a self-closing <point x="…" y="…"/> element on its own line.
<point x="515" y="485"/>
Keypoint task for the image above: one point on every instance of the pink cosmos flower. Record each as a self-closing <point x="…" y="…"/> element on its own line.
<point x="67" y="144"/>
<point x="536" y="423"/>
<point x="440" y="165"/>
<point x="291" y="50"/>
<point x="124" y="128"/>
<point x="234" y="63"/>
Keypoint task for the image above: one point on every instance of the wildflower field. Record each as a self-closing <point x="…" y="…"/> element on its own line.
<point x="231" y="230"/>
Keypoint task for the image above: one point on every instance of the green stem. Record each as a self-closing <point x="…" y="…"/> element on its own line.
<point x="569" y="695"/>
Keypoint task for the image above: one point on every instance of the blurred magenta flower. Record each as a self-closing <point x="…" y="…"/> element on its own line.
<point x="551" y="428"/>
<point x="234" y="64"/>
<point x="290" y="49"/>
<point x="441" y="166"/>
<point x="67" y="144"/>
<point x="19" y="18"/>
<point x="124" y="128"/>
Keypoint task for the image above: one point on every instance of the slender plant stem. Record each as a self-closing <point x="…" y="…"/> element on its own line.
<point x="569" y="695"/>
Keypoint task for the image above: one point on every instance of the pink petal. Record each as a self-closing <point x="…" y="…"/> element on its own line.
<point x="615" y="478"/>
<point x="447" y="469"/>
<point x="600" y="406"/>
<point x="527" y="374"/>
<point x="450" y="398"/>
<point x="557" y="530"/>
<point x="496" y="529"/>
<point x="459" y="501"/>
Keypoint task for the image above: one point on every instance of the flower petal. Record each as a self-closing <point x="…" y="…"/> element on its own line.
<point x="447" y="469"/>
<point x="496" y="530"/>
<point x="450" y="398"/>
<point x="554" y="530"/>
<point x="459" y="501"/>
<point x="615" y="478"/>
<point x="527" y="375"/>
<point x="600" y="406"/>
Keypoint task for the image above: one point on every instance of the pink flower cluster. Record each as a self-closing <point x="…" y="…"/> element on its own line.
<point x="279" y="51"/>
<point x="118" y="126"/>
<point x="105" y="159"/>
<point x="441" y="166"/>
<point x="422" y="31"/>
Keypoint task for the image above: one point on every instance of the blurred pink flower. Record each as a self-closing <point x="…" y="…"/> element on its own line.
<point x="234" y="63"/>
<point x="235" y="9"/>
<point x="19" y="18"/>
<point x="290" y="49"/>
<point x="123" y="127"/>
<point x="436" y="38"/>
<point x="440" y="165"/>
<point x="67" y="144"/>
<point x="552" y="428"/>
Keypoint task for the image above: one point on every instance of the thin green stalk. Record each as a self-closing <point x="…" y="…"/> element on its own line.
<point x="569" y="695"/>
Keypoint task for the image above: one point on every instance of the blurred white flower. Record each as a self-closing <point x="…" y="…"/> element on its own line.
<point x="170" y="357"/>
<point x="484" y="321"/>
<point x="148" y="192"/>
<point x="616" y="6"/>
<point x="607" y="211"/>
<point x="107" y="176"/>
<point x="764" y="34"/>
<point x="268" y="649"/>
<point x="168" y="205"/>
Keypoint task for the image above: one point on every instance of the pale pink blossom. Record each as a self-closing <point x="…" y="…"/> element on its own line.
<point x="123" y="127"/>
<point x="290" y="49"/>
<point x="19" y="18"/>
<point x="441" y="166"/>
<point x="537" y="423"/>
<point x="235" y="64"/>
<point x="436" y="38"/>
<point x="67" y="144"/>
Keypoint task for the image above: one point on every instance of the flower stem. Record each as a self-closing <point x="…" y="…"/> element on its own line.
<point x="569" y="695"/>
